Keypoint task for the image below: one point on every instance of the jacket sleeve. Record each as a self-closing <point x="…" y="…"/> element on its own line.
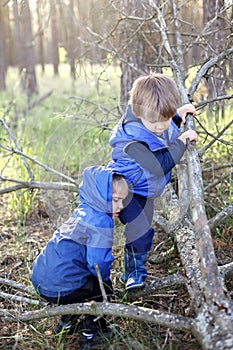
<point x="177" y="119"/>
<point x="101" y="257"/>
<point x="158" y="162"/>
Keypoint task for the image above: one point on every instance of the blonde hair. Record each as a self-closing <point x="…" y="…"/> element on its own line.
<point x="154" y="97"/>
<point x="119" y="181"/>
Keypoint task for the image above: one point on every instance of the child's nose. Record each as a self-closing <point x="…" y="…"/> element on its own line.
<point x="121" y="205"/>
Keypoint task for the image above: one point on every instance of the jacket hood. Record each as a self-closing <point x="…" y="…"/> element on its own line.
<point x="95" y="189"/>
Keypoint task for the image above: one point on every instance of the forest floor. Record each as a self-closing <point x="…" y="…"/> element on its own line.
<point x="20" y="244"/>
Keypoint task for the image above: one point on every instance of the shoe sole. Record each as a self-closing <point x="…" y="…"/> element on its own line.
<point x="135" y="286"/>
<point x="103" y="339"/>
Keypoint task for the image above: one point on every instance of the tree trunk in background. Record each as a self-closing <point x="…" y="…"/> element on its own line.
<point x="19" y="56"/>
<point x="9" y="48"/>
<point x="230" y="35"/>
<point x="192" y="14"/>
<point x="132" y="49"/>
<point x="2" y="50"/>
<point x="54" y="39"/>
<point x="40" y="35"/>
<point x="215" y="26"/>
<point x="71" y="41"/>
<point x="29" y="79"/>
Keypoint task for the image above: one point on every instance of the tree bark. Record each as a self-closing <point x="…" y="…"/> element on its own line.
<point x="72" y="41"/>
<point x="54" y="38"/>
<point x="214" y="309"/>
<point x="18" y="44"/>
<point x="2" y="48"/>
<point x="29" y="81"/>
<point x="40" y="35"/>
<point x="215" y="26"/>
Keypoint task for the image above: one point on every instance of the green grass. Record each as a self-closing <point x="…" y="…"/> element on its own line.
<point x="68" y="131"/>
<point x="64" y="121"/>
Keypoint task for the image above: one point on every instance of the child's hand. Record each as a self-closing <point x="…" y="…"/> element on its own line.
<point x="183" y="110"/>
<point x="189" y="134"/>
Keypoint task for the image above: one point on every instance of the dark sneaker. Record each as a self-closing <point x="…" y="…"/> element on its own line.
<point x="99" y="339"/>
<point x="68" y="325"/>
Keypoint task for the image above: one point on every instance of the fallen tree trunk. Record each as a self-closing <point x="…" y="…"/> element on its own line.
<point x="214" y="322"/>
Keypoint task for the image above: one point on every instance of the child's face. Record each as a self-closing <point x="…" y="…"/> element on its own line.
<point x="157" y="127"/>
<point x="119" y="193"/>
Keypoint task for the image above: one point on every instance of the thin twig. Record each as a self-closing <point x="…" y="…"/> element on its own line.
<point x="38" y="101"/>
<point x="217" y="167"/>
<point x="17" y="285"/>
<point x="216" y="138"/>
<point x="104" y="295"/>
<point x="47" y="168"/>
<point x="22" y="299"/>
<point x="101" y="288"/>
<point x="221" y="217"/>
<point x="58" y="186"/>
<point x="18" y="148"/>
<point x="206" y="66"/>
<point x="218" y="181"/>
<point x="211" y="100"/>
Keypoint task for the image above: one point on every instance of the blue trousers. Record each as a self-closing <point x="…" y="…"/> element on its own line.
<point x="137" y="215"/>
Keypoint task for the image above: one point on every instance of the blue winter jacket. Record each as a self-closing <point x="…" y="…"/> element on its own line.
<point x="85" y="239"/>
<point x="130" y="130"/>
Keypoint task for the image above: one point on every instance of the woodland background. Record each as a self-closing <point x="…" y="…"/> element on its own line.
<point x="65" y="71"/>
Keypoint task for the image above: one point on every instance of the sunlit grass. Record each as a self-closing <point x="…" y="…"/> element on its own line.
<point x="64" y="131"/>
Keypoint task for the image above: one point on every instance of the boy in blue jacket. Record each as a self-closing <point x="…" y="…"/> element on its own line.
<point x="64" y="271"/>
<point x="147" y="144"/>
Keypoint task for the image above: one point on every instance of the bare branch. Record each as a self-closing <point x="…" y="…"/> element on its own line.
<point x="166" y="226"/>
<point x="166" y="319"/>
<point x="211" y="100"/>
<point x="204" y="149"/>
<point x="22" y="299"/>
<point x="205" y="67"/>
<point x="37" y="101"/>
<point x="46" y="167"/>
<point x="217" y="167"/>
<point x="160" y="283"/>
<point x="221" y="217"/>
<point x="226" y="270"/>
<point x="18" y="148"/>
<point x="17" y="285"/>
<point x="211" y="282"/>
<point x="59" y="186"/>
<point x="216" y="182"/>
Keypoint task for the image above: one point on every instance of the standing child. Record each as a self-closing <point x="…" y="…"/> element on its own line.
<point x="64" y="272"/>
<point x="147" y="144"/>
